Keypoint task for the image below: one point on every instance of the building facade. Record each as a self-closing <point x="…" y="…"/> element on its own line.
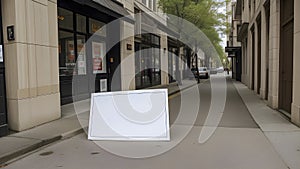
<point x="54" y="54"/>
<point x="269" y="36"/>
<point x="233" y="48"/>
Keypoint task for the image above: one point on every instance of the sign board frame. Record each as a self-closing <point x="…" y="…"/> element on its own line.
<point x="122" y="128"/>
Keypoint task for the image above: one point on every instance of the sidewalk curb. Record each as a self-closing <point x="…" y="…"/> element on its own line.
<point x="23" y="150"/>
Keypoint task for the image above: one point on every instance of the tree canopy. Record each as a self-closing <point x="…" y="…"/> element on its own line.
<point x="204" y="14"/>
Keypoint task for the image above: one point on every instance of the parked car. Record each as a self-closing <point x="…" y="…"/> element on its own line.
<point x="213" y="71"/>
<point x="221" y="69"/>
<point x="203" y="72"/>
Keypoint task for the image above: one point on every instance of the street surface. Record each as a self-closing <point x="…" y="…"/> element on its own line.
<point x="237" y="143"/>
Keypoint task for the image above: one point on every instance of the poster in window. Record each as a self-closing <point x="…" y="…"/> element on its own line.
<point x="81" y="60"/>
<point x="99" y="61"/>
<point x="70" y="59"/>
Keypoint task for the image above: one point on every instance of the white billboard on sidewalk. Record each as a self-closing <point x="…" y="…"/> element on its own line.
<point x="130" y="115"/>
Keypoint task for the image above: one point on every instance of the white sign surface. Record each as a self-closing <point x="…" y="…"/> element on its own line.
<point x="130" y="115"/>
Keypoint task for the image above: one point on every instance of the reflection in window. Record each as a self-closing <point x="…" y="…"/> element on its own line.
<point x="65" y="19"/>
<point x="81" y="23"/>
<point x="96" y="27"/>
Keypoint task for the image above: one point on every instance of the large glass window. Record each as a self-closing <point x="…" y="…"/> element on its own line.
<point x="67" y="60"/>
<point x="148" y="61"/>
<point x="96" y="27"/>
<point x="65" y="19"/>
<point x="81" y="23"/>
<point x="72" y="39"/>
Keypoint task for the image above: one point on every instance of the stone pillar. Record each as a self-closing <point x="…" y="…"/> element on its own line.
<point x="249" y="56"/>
<point x="127" y="56"/>
<point x="164" y="58"/>
<point x="31" y="62"/>
<point x="296" y="71"/>
<point x="274" y="53"/>
<point x="264" y="48"/>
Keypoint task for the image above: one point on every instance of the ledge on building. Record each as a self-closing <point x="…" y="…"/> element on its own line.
<point x="110" y="7"/>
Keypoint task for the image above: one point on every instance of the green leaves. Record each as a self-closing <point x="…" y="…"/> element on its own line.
<point x="204" y="14"/>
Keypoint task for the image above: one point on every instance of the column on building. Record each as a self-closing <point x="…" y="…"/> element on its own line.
<point x="296" y="71"/>
<point x="164" y="58"/>
<point x="245" y="61"/>
<point x="127" y="56"/>
<point x="31" y="62"/>
<point x="263" y="84"/>
<point x="274" y="53"/>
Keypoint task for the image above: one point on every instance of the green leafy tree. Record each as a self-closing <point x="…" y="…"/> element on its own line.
<point x="205" y="15"/>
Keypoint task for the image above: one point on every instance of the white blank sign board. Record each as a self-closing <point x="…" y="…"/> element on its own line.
<point x="130" y="115"/>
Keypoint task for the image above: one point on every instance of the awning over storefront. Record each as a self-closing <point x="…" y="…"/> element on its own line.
<point x="232" y="50"/>
<point x="108" y="7"/>
<point x="243" y="31"/>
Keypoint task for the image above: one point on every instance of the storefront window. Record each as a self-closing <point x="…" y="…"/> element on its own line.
<point x="65" y="19"/>
<point x="148" y="61"/>
<point x="96" y="27"/>
<point x="82" y="52"/>
<point x="67" y="61"/>
<point x="81" y="23"/>
<point x="73" y="60"/>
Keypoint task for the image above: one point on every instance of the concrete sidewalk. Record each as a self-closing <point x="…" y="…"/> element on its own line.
<point x="74" y="120"/>
<point x="284" y="136"/>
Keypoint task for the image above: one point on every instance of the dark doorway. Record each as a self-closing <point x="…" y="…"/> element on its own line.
<point x="253" y="57"/>
<point x="238" y="62"/>
<point x="286" y="55"/>
<point x="267" y="9"/>
<point x="258" y="82"/>
<point x="3" y="110"/>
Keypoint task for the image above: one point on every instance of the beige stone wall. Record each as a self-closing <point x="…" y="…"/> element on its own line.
<point x="274" y="53"/>
<point x="272" y="46"/>
<point x="127" y="56"/>
<point x="31" y="62"/>
<point x="296" y="78"/>
<point x="128" y="4"/>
